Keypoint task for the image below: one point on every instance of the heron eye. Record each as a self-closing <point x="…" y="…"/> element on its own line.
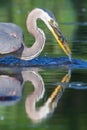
<point x="52" y="22"/>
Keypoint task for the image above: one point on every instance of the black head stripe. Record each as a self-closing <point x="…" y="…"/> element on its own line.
<point x="49" y="13"/>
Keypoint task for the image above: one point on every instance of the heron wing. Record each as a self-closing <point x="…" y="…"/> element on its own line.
<point x="11" y="37"/>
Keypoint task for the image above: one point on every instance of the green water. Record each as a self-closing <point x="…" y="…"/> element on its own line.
<point x="71" y="110"/>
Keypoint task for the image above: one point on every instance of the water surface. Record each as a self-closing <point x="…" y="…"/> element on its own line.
<point x="67" y="109"/>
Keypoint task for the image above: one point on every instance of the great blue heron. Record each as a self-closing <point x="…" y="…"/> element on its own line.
<point x="11" y="36"/>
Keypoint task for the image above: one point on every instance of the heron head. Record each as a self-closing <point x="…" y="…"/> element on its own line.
<point x="51" y="23"/>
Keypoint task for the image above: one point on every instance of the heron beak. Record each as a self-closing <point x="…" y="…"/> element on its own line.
<point x="60" y="39"/>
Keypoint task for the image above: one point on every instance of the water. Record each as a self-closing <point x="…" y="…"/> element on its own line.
<point x="68" y="108"/>
<point x="48" y="92"/>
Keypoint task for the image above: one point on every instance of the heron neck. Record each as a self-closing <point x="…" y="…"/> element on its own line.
<point x="37" y="47"/>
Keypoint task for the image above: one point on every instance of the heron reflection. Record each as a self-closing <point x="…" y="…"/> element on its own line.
<point x="37" y="114"/>
<point x="11" y="83"/>
<point x="12" y="41"/>
<point x="11" y="86"/>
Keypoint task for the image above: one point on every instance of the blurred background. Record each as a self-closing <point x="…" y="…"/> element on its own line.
<point x="70" y="14"/>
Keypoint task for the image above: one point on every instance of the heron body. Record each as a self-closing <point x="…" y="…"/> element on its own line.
<point x="12" y="39"/>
